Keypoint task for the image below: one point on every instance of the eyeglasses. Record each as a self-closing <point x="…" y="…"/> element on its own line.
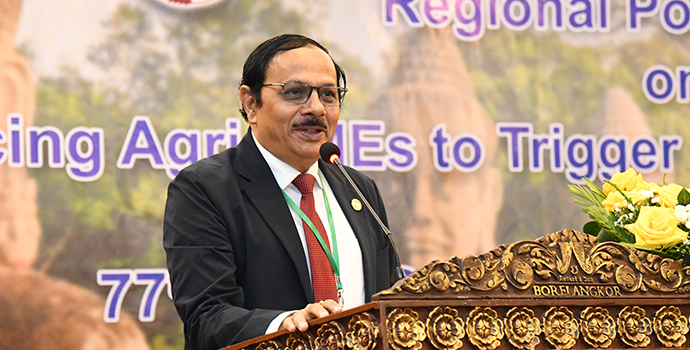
<point x="298" y="93"/>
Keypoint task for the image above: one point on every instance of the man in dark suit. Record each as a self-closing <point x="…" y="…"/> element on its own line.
<point x="241" y="258"/>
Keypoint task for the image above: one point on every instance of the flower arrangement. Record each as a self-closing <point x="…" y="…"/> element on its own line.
<point x="647" y="216"/>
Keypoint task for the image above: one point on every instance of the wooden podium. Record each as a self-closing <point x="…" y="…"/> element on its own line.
<point x="561" y="291"/>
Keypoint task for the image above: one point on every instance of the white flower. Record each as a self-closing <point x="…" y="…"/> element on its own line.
<point x="687" y="224"/>
<point x="655" y="200"/>
<point x="647" y="194"/>
<point x="682" y="213"/>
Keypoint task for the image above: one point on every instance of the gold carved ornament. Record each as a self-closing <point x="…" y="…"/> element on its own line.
<point x="634" y="328"/>
<point x="439" y="276"/>
<point x="560" y="327"/>
<point x="575" y="253"/>
<point x="362" y="333"/>
<point x="268" y="345"/>
<point x="457" y="275"/>
<point x="299" y="341"/>
<point x="598" y="327"/>
<point x="522" y="328"/>
<point x="445" y="328"/>
<point x="405" y="330"/>
<point x="563" y="254"/>
<point x="329" y="337"/>
<point x="670" y="326"/>
<point x="484" y="328"/>
<point x="635" y="270"/>
<point x="514" y="265"/>
<point x="548" y="258"/>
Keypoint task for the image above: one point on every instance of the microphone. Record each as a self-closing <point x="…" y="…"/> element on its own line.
<point x="330" y="153"/>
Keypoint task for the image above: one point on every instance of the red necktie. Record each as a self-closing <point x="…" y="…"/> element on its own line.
<point x="322" y="277"/>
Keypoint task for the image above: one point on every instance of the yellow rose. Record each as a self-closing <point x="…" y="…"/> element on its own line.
<point x="611" y="200"/>
<point x="635" y="196"/>
<point x="656" y="227"/>
<point x="642" y="186"/>
<point x="668" y="195"/>
<point x="617" y="197"/>
<point x="626" y="181"/>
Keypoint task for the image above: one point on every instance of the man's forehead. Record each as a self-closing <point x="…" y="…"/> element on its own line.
<point x="302" y="50"/>
<point x="307" y="58"/>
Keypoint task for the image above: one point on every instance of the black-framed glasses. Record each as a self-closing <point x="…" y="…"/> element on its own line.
<point x="298" y="93"/>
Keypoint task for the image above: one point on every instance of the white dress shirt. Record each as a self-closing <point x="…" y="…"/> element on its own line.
<point x="350" y="254"/>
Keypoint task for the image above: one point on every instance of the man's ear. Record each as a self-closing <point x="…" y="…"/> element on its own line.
<point x="248" y="101"/>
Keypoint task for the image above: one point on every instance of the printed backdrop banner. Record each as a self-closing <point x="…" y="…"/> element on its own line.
<point x="473" y="116"/>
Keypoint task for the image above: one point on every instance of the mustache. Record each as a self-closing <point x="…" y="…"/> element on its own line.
<point x="310" y="122"/>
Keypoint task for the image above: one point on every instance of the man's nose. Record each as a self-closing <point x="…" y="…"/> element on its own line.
<point x="314" y="103"/>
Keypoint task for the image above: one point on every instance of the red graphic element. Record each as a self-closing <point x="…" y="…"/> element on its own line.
<point x="188" y="4"/>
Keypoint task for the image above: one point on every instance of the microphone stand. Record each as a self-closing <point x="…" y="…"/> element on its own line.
<point x="389" y="235"/>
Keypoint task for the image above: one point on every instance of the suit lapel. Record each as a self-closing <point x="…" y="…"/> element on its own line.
<point x="264" y="193"/>
<point x="360" y="221"/>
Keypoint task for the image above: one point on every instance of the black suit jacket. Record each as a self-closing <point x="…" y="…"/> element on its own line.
<point x="234" y="254"/>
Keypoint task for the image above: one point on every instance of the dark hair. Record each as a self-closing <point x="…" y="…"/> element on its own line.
<point x="254" y="71"/>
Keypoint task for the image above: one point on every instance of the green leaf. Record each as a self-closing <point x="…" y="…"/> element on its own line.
<point x="591" y="228"/>
<point x="596" y="191"/>
<point x="683" y="197"/>
<point x="604" y="236"/>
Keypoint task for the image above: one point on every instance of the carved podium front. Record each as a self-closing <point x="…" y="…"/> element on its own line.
<point x="561" y="291"/>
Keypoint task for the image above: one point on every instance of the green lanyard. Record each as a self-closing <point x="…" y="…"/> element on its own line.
<point x="334" y="260"/>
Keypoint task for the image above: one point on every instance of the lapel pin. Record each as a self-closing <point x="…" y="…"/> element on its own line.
<point x="356" y="204"/>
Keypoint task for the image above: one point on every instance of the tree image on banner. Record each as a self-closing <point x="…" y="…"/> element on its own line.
<point x="81" y="210"/>
<point x="186" y="78"/>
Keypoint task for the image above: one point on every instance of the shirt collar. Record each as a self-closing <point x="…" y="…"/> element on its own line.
<point x="283" y="172"/>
